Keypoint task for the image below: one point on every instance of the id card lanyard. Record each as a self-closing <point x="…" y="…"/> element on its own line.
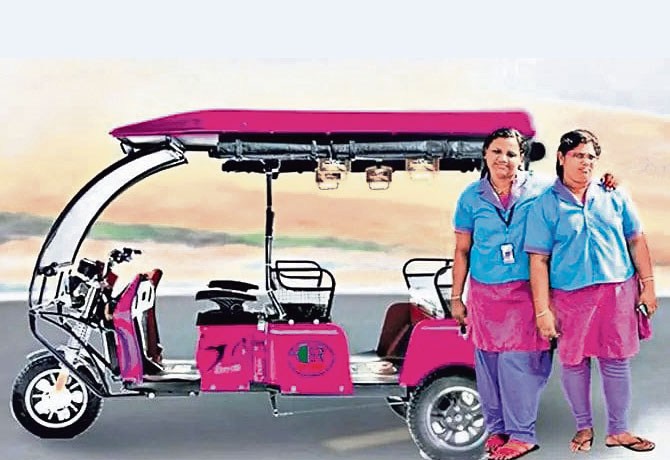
<point x="507" y="249"/>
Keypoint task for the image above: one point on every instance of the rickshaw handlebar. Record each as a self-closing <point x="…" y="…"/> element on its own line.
<point x="123" y="255"/>
<point x="52" y="268"/>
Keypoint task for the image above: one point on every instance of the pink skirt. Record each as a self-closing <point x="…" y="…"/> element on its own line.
<point x="501" y="317"/>
<point x="598" y="320"/>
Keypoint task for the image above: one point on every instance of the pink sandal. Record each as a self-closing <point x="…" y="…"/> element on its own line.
<point x="495" y="441"/>
<point x="513" y="449"/>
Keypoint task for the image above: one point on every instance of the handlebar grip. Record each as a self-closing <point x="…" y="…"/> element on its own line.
<point x="123" y="255"/>
<point x="51" y="269"/>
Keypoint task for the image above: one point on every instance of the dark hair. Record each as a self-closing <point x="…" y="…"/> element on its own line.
<point x="572" y="139"/>
<point x="505" y="133"/>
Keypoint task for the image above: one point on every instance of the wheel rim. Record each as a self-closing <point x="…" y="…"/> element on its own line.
<point x="51" y="408"/>
<point x="455" y="420"/>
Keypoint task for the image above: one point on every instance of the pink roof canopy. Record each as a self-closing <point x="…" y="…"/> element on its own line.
<point x="475" y="123"/>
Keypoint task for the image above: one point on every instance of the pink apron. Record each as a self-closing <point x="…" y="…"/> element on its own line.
<point x="501" y="317"/>
<point x="598" y="320"/>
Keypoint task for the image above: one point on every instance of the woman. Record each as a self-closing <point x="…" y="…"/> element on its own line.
<point x="587" y="245"/>
<point x="512" y="361"/>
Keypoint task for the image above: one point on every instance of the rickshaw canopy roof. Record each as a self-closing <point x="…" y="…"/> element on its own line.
<point x="466" y="124"/>
<point x="279" y="141"/>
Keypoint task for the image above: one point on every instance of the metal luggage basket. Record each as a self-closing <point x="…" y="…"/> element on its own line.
<point x="429" y="283"/>
<point x="303" y="289"/>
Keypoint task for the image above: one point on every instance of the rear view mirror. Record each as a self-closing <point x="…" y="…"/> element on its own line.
<point x="422" y="168"/>
<point x="378" y="177"/>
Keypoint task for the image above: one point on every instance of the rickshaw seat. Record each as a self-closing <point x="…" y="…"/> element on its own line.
<point x="214" y="294"/>
<point x="231" y="305"/>
<point x="398" y="324"/>
<point x="232" y="285"/>
<point x="225" y="317"/>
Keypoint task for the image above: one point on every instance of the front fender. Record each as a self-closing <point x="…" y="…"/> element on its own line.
<point x="37" y="354"/>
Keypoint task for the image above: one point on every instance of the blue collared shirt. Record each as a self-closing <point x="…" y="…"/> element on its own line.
<point x="480" y="213"/>
<point x="587" y="241"/>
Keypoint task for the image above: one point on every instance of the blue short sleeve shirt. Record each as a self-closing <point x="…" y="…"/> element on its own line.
<point x="480" y="213"/>
<point x="587" y="241"/>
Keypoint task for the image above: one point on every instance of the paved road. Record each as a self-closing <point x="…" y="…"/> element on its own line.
<point x="241" y="426"/>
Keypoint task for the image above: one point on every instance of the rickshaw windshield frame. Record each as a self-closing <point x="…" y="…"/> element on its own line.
<point x="73" y="224"/>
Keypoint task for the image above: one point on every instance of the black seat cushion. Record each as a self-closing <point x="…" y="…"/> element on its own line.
<point x="232" y="285"/>
<point x="212" y="294"/>
<point x="222" y="317"/>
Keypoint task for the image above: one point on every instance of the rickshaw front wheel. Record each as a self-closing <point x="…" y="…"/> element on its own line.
<point x="445" y="418"/>
<point x="48" y="412"/>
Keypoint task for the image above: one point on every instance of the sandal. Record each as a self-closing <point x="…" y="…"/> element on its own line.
<point x="495" y="441"/>
<point x="631" y="445"/>
<point x="513" y="449"/>
<point x="584" y="444"/>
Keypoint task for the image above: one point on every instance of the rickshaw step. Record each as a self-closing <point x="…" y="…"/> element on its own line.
<point x="379" y="371"/>
<point x="175" y="371"/>
<point x="168" y="388"/>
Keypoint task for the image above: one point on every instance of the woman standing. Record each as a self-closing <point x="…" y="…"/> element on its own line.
<point x="587" y="245"/>
<point x="512" y="360"/>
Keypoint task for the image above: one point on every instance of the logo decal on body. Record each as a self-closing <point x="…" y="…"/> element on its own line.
<point x="311" y="358"/>
<point x="222" y="363"/>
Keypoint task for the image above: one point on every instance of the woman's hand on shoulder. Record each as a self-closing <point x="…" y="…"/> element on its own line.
<point x="609" y="181"/>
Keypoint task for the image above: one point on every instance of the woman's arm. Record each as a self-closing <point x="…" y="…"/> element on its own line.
<point x="639" y="251"/>
<point x="459" y="273"/>
<point x="539" y="285"/>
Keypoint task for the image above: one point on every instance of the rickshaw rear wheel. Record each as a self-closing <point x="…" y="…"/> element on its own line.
<point x="445" y="418"/>
<point x="49" y="413"/>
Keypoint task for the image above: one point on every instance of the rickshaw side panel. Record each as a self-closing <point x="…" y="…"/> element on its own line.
<point x="307" y="358"/>
<point x="224" y="357"/>
<point x="127" y="345"/>
<point x="435" y="344"/>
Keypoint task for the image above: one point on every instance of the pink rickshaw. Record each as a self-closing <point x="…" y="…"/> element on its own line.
<point x="279" y="338"/>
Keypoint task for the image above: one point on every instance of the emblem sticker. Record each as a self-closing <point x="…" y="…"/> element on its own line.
<point x="311" y="358"/>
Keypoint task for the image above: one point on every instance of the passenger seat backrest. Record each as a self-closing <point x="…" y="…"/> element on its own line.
<point x="398" y="324"/>
<point x="144" y="317"/>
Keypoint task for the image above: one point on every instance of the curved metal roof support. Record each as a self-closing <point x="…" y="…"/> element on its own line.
<point x="75" y="221"/>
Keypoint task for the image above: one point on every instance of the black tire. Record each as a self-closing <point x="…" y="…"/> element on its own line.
<point x="445" y="418"/>
<point x="68" y="417"/>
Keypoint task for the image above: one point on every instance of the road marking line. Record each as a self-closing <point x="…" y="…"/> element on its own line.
<point x="363" y="441"/>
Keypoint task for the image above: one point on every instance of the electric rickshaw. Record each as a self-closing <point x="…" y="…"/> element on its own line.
<point x="278" y="338"/>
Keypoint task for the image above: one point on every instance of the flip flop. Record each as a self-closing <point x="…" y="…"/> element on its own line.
<point x="494" y="442"/>
<point x="513" y="449"/>
<point x="631" y="445"/>
<point x="583" y="443"/>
